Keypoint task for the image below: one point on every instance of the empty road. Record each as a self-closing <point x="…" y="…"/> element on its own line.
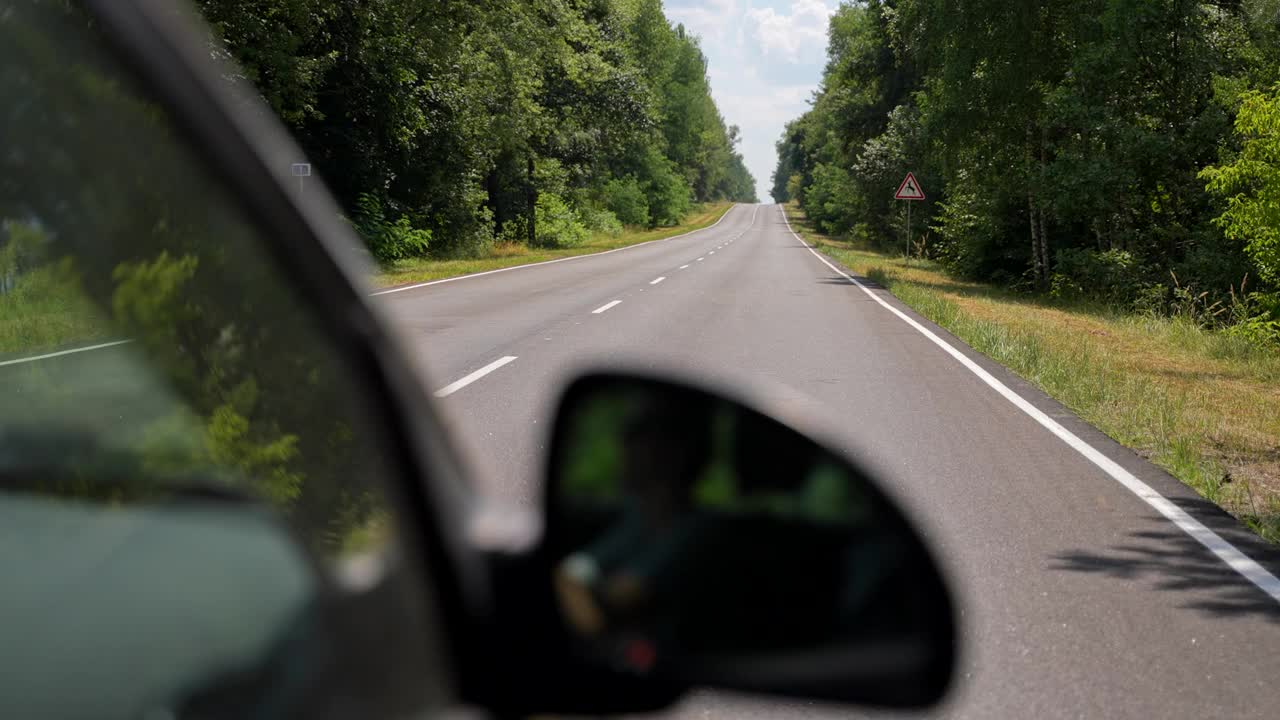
<point x="1078" y="598"/>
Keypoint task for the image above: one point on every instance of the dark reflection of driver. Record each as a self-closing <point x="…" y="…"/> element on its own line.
<point x="625" y="571"/>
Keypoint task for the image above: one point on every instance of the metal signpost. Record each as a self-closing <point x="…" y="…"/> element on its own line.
<point x="300" y="171"/>
<point x="910" y="191"/>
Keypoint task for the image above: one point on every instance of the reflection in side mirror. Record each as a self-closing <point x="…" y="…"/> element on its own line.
<point x="693" y="537"/>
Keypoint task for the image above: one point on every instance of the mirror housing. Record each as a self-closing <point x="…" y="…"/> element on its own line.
<point x="691" y="539"/>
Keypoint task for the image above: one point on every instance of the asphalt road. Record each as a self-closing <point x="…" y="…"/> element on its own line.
<point x="1078" y="599"/>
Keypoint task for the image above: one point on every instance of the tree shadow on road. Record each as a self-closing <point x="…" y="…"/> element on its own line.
<point x="840" y="280"/>
<point x="1170" y="560"/>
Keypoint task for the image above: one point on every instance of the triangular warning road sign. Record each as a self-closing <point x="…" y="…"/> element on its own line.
<point x="909" y="189"/>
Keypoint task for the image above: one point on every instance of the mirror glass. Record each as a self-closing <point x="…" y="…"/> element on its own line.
<point x="690" y="534"/>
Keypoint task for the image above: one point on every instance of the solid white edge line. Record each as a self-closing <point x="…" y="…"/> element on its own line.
<point x="605" y="307"/>
<point x="1247" y="567"/>
<point x="415" y="286"/>
<point x="658" y="280"/>
<point x="72" y="351"/>
<point x="457" y="385"/>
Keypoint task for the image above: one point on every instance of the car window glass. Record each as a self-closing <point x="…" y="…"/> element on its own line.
<point x="171" y="416"/>
<point x="147" y="342"/>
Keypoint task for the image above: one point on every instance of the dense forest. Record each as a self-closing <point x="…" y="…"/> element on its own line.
<point x="443" y="127"/>
<point x="1122" y="151"/>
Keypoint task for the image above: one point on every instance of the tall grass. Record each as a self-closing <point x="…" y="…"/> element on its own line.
<point x="45" y="310"/>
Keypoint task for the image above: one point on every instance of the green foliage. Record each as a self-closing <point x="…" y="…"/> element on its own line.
<point x="557" y="224"/>
<point x="626" y="199"/>
<point x="1111" y="275"/>
<point x="457" y="116"/>
<point x="831" y="200"/>
<point x="969" y="233"/>
<point x="793" y="188"/>
<point x="231" y="445"/>
<point x="598" y="220"/>
<point x="23" y="244"/>
<point x="148" y="297"/>
<point x="669" y="195"/>
<point x="1251" y="183"/>
<point x="1260" y="329"/>
<point x="1061" y="143"/>
<point x="388" y="240"/>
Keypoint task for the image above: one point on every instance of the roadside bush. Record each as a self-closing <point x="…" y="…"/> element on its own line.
<point x="1255" y="317"/>
<point x="512" y="232"/>
<point x="626" y="200"/>
<point x="557" y="223"/>
<point x="599" y="220"/>
<point x="795" y="187"/>
<point x="831" y="201"/>
<point x="1110" y="275"/>
<point x="968" y="235"/>
<point x="1250" y="183"/>
<point x="1260" y="330"/>
<point x="669" y="202"/>
<point x="669" y="194"/>
<point x="388" y="240"/>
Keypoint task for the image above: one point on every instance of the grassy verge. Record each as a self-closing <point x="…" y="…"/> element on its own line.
<point x="1202" y="405"/>
<point x="502" y="256"/>
<point x="46" y="310"/>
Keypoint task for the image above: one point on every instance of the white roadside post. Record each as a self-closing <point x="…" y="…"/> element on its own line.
<point x="910" y="191"/>
<point x="300" y="171"/>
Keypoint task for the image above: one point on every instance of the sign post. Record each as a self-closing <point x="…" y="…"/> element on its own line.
<point x="909" y="191"/>
<point x="300" y="171"/>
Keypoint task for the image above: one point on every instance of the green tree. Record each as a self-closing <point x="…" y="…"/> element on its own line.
<point x="1081" y="126"/>
<point x="439" y="125"/>
<point x="1250" y="184"/>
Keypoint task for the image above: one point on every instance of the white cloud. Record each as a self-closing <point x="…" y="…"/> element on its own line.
<point x="765" y="110"/>
<point x="765" y="60"/>
<point x="793" y="35"/>
<point x="710" y="21"/>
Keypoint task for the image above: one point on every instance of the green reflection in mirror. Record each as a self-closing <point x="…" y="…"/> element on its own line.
<point x="729" y="460"/>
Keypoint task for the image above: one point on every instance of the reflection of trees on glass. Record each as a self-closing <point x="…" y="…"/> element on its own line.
<point x="751" y="464"/>
<point x="760" y="466"/>
<point x="594" y="463"/>
<point x="109" y="228"/>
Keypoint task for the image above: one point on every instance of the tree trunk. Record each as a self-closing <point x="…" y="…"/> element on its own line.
<point x="1038" y="270"/>
<point x="531" y="196"/>
<point x="1044" y="233"/>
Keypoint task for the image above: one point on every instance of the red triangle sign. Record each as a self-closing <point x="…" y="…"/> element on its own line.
<point x="909" y="189"/>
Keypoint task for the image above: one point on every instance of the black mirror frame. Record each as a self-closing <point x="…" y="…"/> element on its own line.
<point x="924" y="689"/>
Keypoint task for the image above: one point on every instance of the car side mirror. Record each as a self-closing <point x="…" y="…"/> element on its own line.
<point x="693" y="538"/>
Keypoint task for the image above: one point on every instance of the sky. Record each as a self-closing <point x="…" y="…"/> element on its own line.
<point x="764" y="59"/>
